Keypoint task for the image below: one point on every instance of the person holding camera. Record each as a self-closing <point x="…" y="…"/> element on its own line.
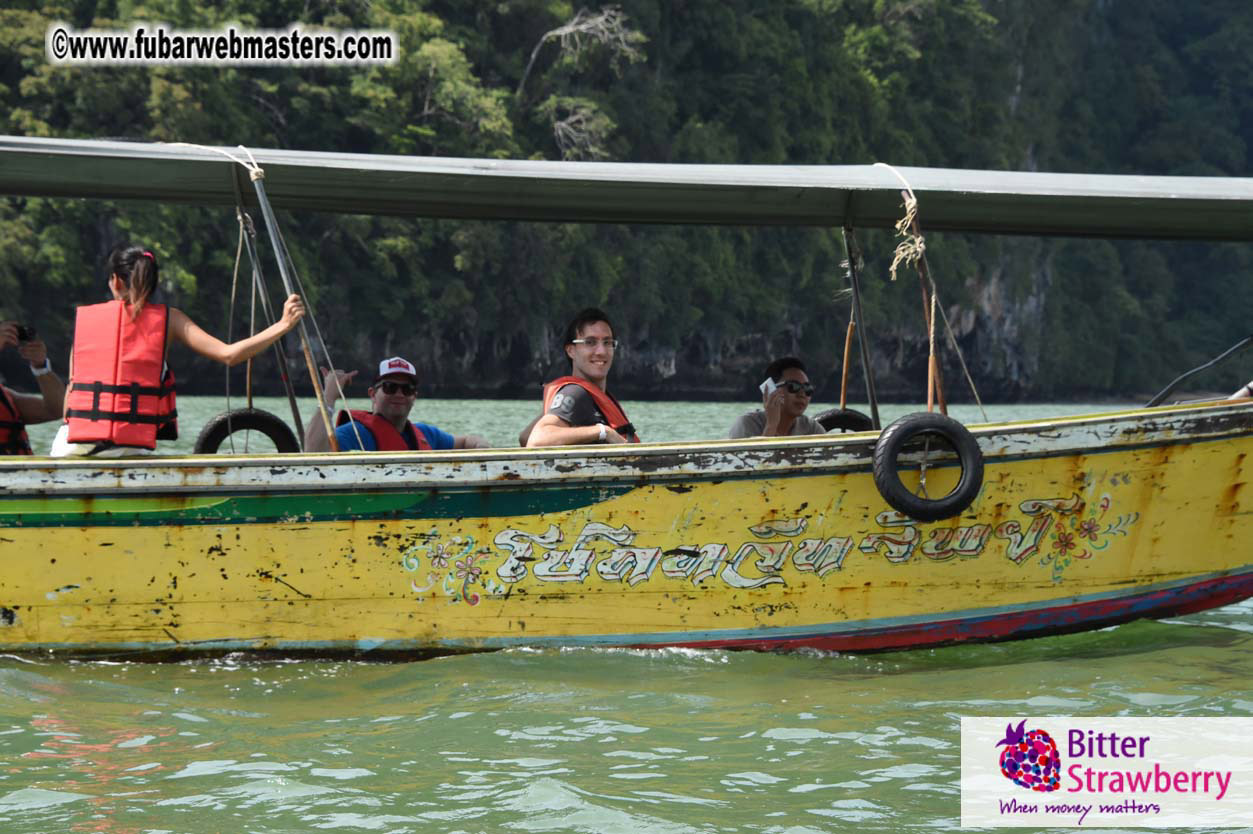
<point x="785" y="394"/>
<point x="18" y="410"/>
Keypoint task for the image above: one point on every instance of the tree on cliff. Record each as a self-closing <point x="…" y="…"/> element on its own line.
<point x="1115" y="87"/>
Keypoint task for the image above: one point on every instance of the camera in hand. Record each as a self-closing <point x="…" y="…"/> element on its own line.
<point x="25" y="333"/>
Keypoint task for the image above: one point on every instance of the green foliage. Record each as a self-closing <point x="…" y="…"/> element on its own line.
<point x="1154" y="87"/>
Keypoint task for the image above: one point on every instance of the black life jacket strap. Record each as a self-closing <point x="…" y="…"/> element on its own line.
<point x="134" y="389"/>
<point x="121" y="416"/>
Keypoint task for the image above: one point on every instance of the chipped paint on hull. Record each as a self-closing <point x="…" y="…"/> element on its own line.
<point x="762" y="544"/>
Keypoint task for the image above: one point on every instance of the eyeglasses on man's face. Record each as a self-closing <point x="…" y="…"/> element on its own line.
<point x="403" y="387"/>
<point x="594" y="343"/>
<point x="794" y="387"/>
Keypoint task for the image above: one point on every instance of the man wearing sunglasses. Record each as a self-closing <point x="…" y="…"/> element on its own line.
<point x="578" y="408"/>
<point x="785" y="396"/>
<point x="386" y="427"/>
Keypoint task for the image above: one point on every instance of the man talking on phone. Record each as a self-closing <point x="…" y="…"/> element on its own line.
<point x="20" y="410"/>
<point x="785" y="395"/>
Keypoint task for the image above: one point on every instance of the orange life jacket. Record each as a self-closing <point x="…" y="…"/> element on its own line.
<point x="605" y="401"/>
<point x="386" y="438"/>
<point x="13" y="439"/>
<point x="119" y="393"/>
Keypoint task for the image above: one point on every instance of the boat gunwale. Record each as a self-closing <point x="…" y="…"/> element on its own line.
<point x="633" y="465"/>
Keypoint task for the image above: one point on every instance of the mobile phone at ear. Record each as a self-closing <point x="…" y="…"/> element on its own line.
<point x="768" y="387"/>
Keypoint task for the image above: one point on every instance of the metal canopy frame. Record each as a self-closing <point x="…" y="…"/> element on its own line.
<point x="1003" y="202"/>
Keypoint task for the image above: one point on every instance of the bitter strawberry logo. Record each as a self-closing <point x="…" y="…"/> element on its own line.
<point x="1030" y="758"/>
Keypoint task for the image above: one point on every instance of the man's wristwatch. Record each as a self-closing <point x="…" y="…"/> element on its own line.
<point x="603" y="434"/>
<point x="45" y="369"/>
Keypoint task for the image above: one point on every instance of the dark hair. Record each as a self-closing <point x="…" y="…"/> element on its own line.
<point x="138" y="267"/>
<point x="776" y="368"/>
<point x="589" y="315"/>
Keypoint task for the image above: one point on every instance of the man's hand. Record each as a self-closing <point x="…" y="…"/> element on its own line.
<point x="333" y="384"/>
<point x="471" y="441"/>
<point x="773" y="403"/>
<point x="8" y="334"/>
<point x="35" y="352"/>
<point x="612" y="436"/>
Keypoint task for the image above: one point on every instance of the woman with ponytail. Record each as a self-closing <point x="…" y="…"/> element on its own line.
<point x="121" y="393"/>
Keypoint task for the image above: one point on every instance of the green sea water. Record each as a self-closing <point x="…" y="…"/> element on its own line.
<point x="569" y="741"/>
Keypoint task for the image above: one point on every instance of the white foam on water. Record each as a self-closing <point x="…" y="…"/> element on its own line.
<point x="796" y="734"/>
<point x="341" y="773"/>
<point x="29" y="799"/>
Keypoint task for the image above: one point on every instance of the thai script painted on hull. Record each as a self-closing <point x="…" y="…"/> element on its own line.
<point x="1056" y="530"/>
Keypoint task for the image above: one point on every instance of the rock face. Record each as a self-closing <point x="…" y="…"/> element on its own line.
<point x="998" y="327"/>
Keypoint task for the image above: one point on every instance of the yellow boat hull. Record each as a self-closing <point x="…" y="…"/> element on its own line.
<point x="765" y="544"/>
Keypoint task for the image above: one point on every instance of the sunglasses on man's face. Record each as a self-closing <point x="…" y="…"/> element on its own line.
<point x="794" y="387"/>
<point x="403" y="387"/>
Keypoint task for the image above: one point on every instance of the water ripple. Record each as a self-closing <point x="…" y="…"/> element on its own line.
<point x="579" y="741"/>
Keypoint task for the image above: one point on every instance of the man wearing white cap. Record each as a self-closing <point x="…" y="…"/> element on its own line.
<point x="386" y="427"/>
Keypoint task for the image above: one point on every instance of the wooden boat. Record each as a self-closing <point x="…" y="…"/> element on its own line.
<point x="1078" y="523"/>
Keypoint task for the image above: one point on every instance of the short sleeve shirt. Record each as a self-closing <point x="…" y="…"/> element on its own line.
<point x="753" y="424"/>
<point x="574" y="405"/>
<point x="346" y="435"/>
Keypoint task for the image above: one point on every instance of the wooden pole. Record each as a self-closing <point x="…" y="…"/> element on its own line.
<point x="848" y="348"/>
<point x="935" y="380"/>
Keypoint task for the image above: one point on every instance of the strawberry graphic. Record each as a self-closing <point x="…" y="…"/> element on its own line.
<point x="1030" y="759"/>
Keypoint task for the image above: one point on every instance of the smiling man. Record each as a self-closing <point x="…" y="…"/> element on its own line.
<point x="783" y="408"/>
<point x="578" y="408"/>
<point x="386" y="427"/>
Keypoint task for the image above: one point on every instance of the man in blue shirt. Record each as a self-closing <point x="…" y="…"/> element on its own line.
<point x="386" y="427"/>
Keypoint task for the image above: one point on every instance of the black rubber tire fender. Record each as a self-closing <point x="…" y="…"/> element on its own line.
<point x="844" y="419"/>
<point x="887" y="477"/>
<point x="227" y="423"/>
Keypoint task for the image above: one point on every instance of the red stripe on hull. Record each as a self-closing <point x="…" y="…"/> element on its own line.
<point x="1061" y="619"/>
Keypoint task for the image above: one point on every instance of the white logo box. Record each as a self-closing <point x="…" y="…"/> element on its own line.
<point x="1114" y="772"/>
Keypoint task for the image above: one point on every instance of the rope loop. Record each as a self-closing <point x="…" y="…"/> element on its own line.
<point x="912" y="248"/>
<point x="912" y="251"/>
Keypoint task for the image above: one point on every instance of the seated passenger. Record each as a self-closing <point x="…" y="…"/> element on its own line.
<point x="578" y="408"/>
<point x="121" y="392"/>
<point x="386" y="427"/>
<point x="17" y="410"/>
<point x="784" y="404"/>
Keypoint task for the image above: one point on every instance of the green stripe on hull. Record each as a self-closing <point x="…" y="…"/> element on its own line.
<point x="297" y="507"/>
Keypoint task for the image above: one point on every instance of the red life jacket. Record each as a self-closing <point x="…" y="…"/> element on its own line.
<point x="13" y="439"/>
<point x="386" y="438"/>
<point x="605" y="401"/>
<point x="119" y="393"/>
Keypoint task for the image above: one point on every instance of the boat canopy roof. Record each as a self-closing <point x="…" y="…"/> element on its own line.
<point x="1003" y="202"/>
